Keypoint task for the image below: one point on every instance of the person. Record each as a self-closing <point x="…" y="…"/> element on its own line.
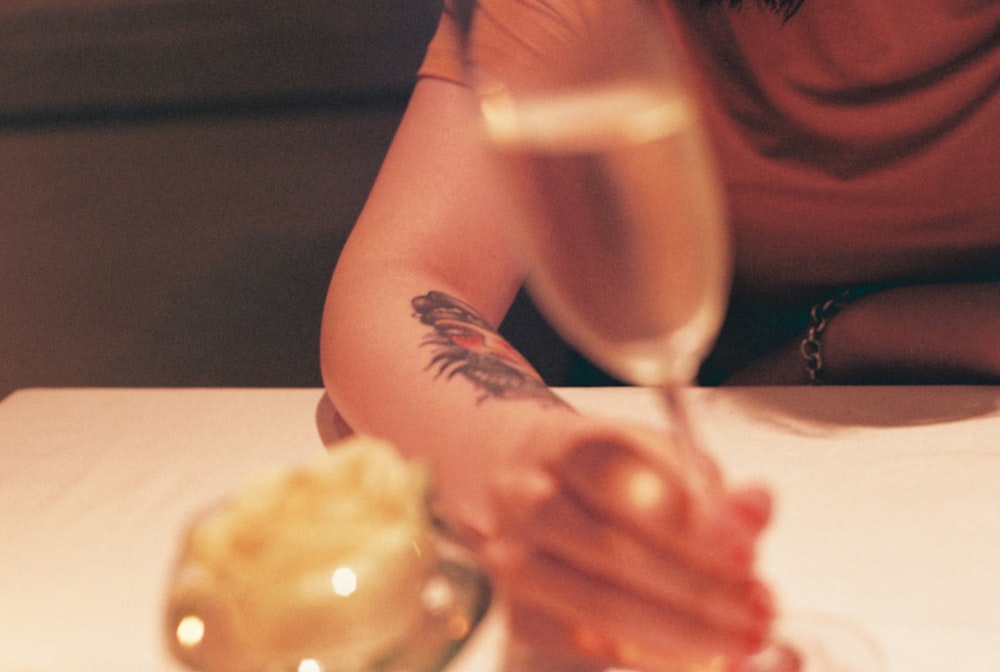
<point x="857" y="146"/>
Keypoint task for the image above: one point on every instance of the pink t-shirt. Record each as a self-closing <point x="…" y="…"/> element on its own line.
<point x="859" y="141"/>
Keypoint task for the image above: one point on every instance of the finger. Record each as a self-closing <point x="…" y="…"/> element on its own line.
<point x="517" y="495"/>
<point x="537" y="515"/>
<point x="630" y="622"/>
<point x="649" y="498"/>
<point x="607" y="474"/>
<point x="575" y="535"/>
<point x="725" y="535"/>
<point x="753" y="505"/>
<point x="539" y="641"/>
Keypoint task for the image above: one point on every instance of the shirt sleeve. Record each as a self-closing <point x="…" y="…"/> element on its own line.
<point x="509" y="35"/>
<point x="443" y="59"/>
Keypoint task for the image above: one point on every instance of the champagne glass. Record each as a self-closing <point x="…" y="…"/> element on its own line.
<point x="626" y="236"/>
<point x="625" y="231"/>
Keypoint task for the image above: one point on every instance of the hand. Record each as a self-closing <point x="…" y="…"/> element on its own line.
<point x="604" y="553"/>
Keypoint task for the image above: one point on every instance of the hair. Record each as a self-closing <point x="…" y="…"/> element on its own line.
<point x="787" y="8"/>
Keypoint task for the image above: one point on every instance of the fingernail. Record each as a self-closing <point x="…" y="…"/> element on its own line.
<point x="733" y="543"/>
<point x="753" y="506"/>
<point x="760" y="601"/>
<point x="754" y="640"/>
<point x="723" y="546"/>
<point x="740" y="554"/>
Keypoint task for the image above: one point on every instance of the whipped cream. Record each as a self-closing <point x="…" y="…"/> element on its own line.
<point x="326" y="563"/>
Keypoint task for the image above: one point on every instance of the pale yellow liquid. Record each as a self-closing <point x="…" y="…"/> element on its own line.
<point x="626" y="231"/>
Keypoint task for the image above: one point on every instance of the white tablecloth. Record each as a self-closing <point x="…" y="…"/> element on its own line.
<point x="887" y="507"/>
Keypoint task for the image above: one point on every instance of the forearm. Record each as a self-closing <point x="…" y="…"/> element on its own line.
<point x="916" y="334"/>
<point x="437" y="219"/>
<point x="932" y="333"/>
<point x="409" y="366"/>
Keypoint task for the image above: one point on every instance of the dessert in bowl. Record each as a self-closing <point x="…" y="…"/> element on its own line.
<point x="335" y="566"/>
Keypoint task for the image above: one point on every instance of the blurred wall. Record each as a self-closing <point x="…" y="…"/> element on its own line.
<point x="177" y="178"/>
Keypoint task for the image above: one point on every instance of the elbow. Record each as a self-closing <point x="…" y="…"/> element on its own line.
<point x="334" y="356"/>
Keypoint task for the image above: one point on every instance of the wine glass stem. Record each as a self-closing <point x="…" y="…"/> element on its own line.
<point x="702" y="473"/>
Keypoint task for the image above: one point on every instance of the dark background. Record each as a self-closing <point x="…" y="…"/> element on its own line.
<point x="177" y="179"/>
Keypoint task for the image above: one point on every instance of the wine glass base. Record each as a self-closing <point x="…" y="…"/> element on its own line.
<point x="815" y="642"/>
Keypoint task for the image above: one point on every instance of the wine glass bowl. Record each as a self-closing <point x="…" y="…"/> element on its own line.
<point x="643" y="300"/>
<point x="627" y="245"/>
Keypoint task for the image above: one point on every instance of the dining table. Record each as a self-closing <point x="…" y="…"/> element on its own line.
<point x="887" y="508"/>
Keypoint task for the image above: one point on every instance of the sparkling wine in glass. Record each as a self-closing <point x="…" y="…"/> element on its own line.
<point x="629" y="251"/>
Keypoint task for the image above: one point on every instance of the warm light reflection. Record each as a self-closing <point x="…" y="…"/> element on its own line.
<point x="645" y="489"/>
<point x="344" y="581"/>
<point x="437" y="595"/>
<point x="631" y="113"/>
<point x="310" y="665"/>
<point x="190" y="631"/>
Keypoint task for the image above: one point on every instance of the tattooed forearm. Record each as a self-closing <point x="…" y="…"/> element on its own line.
<point x="463" y="343"/>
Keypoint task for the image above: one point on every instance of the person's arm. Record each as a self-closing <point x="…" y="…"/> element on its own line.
<point x="435" y="222"/>
<point x="916" y="334"/>
<point x="409" y="353"/>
